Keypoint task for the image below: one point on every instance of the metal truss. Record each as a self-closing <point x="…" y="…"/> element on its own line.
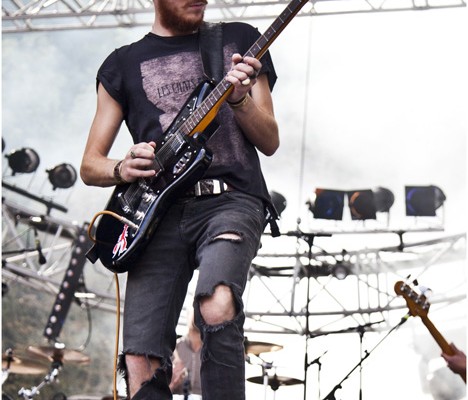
<point x="302" y="290"/>
<point x="318" y="293"/>
<point x="50" y="15"/>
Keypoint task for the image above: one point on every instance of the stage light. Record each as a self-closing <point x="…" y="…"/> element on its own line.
<point x="423" y="201"/>
<point x="328" y="204"/>
<point x="341" y="270"/>
<point x="24" y="160"/>
<point x="279" y="201"/>
<point x="384" y="199"/>
<point x="62" y="176"/>
<point x="362" y="204"/>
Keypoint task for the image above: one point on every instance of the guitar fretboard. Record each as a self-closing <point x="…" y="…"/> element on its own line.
<point x="257" y="50"/>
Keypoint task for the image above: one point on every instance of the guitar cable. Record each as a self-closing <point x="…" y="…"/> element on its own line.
<point x="112" y="214"/>
<point x="117" y="334"/>
<point x="117" y="297"/>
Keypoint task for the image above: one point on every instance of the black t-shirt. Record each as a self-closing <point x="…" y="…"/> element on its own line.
<point x="152" y="78"/>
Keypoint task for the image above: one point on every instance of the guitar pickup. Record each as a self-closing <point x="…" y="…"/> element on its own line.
<point x="182" y="163"/>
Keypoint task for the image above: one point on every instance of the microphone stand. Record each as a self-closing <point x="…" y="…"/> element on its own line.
<point x="331" y="395"/>
<point x="319" y="364"/>
<point x="309" y="239"/>
<point x="361" y="329"/>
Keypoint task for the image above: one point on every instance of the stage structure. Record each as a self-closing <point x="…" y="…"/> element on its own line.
<point x="298" y="284"/>
<point x="38" y="15"/>
<point x="304" y="283"/>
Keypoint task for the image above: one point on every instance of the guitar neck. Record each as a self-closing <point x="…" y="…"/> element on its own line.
<point x="208" y="108"/>
<point x="443" y="344"/>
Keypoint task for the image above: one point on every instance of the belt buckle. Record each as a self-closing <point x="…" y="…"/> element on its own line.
<point x="198" y="189"/>
<point x="209" y="186"/>
<point x="217" y="188"/>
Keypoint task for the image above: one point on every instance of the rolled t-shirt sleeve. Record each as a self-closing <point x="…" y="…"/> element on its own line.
<point x="110" y="76"/>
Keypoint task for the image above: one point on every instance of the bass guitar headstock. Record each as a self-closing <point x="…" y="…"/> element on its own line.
<point x="417" y="303"/>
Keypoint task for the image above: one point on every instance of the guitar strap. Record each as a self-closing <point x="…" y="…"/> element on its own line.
<point x="211" y="51"/>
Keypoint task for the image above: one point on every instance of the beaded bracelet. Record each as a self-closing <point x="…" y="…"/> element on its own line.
<point x="117" y="175"/>
<point x="240" y="103"/>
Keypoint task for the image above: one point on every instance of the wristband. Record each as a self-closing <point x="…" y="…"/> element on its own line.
<point x="117" y="176"/>
<point x="240" y="103"/>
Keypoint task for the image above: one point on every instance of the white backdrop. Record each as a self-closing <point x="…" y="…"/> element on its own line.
<point x="362" y="101"/>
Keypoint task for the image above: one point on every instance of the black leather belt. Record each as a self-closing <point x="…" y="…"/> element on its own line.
<point x="207" y="187"/>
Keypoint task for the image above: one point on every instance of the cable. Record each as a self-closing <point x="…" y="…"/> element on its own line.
<point x="117" y="332"/>
<point x="112" y="214"/>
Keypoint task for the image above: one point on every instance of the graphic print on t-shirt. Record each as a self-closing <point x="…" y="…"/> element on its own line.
<point x="168" y="81"/>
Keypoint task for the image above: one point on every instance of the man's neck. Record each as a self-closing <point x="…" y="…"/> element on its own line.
<point x="160" y="30"/>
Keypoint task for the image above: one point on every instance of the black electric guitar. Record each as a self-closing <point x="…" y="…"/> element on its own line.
<point x="419" y="306"/>
<point x="181" y="159"/>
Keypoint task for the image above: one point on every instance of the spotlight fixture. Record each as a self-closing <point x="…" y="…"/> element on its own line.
<point x="24" y="160"/>
<point x="341" y="270"/>
<point x="62" y="176"/>
<point x="423" y="201"/>
<point x="328" y="204"/>
<point x="279" y="201"/>
<point x="362" y="204"/>
<point x="384" y="199"/>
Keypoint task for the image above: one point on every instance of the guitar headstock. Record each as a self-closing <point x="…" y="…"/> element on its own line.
<point x="417" y="303"/>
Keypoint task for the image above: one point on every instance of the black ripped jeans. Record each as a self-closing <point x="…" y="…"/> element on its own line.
<point x="188" y="238"/>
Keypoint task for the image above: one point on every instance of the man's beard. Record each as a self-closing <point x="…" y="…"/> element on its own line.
<point x="174" y="21"/>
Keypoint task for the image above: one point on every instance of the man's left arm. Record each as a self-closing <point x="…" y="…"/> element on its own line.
<point x="256" y="118"/>
<point x="252" y="104"/>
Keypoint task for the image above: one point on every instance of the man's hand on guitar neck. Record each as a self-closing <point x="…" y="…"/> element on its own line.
<point x="457" y="361"/>
<point x="243" y="75"/>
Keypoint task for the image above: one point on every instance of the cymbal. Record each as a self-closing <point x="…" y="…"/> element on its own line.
<point x="61" y="355"/>
<point x="275" y="381"/>
<point x="22" y="366"/>
<point x="257" y="348"/>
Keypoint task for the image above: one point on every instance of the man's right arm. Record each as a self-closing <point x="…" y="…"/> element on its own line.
<point x="97" y="169"/>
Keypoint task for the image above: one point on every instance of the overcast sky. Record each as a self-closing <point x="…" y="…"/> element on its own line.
<point x="361" y="100"/>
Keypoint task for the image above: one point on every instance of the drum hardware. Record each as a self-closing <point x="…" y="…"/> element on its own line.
<point x="257" y="348"/>
<point x="49" y="378"/>
<point x="57" y="355"/>
<point x="12" y="364"/>
<point x="274" y="381"/>
<point x="58" y="352"/>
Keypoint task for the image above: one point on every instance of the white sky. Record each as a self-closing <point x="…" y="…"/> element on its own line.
<point x="374" y="99"/>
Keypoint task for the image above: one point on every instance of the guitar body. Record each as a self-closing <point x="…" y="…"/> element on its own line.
<point x="181" y="160"/>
